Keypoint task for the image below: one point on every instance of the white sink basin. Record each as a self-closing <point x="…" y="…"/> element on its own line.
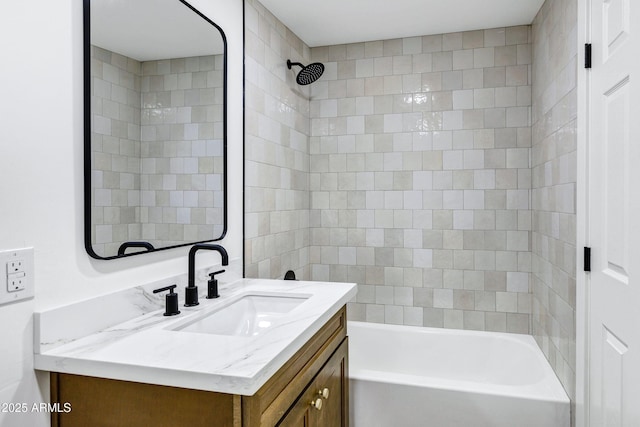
<point x="248" y="316"/>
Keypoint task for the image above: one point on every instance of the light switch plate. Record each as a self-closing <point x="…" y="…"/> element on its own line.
<point x="16" y="275"/>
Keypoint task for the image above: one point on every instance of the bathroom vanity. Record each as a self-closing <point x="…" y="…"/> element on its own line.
<point x="160" y="371"/>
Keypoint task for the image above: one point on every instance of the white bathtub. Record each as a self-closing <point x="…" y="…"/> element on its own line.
<point x="404" y="376"/>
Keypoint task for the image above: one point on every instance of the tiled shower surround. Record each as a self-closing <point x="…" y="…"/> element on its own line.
<point x="157" y="172"/>
<point x="420" y="178"/>
<point x="437" y="172"/>
<point x="115" y="141"/>
<point x="276" y="149"/>
<point x="405" y="168"/>
<point x="554" y="163"/>
<point x="181" y="137"/>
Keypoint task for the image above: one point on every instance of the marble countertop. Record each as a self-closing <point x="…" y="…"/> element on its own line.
<point x="146" y="349"/>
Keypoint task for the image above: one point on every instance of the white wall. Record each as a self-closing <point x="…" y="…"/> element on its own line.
<point x="41" y="178"/>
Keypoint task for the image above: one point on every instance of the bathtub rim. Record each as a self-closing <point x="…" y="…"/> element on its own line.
<point x="553" y="390"/>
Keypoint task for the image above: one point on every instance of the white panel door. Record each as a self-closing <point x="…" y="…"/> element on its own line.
<point x="614" y="212"/>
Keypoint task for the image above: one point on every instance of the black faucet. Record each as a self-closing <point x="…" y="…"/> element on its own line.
<point x="191" y="291"/>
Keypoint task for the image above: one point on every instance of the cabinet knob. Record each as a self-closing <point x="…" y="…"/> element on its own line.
<point x="317" y="404"/>
<point x="324" y="393"/>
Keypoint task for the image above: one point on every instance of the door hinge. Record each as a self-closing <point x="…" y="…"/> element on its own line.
<point x="587" y="259"/>
<point x="587" y="55"/>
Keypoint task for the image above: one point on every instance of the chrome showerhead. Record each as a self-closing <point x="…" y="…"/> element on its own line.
<point x="309" y="73"/>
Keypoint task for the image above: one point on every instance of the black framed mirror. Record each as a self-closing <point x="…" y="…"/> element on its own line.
<point x="155" y="117"/>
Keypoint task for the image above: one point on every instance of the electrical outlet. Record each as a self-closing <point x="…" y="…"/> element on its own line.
<point x="17" y="282"/>
<point x="15" y="266"/>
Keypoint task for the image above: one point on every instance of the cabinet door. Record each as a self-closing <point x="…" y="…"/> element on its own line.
<point x="325" y="402"/>
<point x="298" y="417"/>
<point x="331" y="386"/>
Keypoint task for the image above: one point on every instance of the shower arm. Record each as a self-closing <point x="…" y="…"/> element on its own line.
<point x="289" y="64"/>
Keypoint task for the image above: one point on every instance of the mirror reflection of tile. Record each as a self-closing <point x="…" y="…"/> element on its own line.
<point x="157" y="150"/>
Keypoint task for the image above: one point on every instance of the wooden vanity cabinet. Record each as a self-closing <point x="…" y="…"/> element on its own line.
<point x="320" y="366"/>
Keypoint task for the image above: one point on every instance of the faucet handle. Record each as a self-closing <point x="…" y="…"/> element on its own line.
<point x="212" y="285"/>
<point x="212" y="275"/>
<point x="171" y="300"/>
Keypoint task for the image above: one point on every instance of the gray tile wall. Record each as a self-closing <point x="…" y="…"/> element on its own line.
<point x="115" y="103"/>
<point x="276" y="149"/>
<point x="157" y="141"/>
<point x="182" y="137"/>
<point x="420" y="182"/>
<point x="420" y="178"/>
<point x="553" y="159"/>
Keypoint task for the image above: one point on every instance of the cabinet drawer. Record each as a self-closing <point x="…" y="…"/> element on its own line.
<point x="101" y="402"/>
